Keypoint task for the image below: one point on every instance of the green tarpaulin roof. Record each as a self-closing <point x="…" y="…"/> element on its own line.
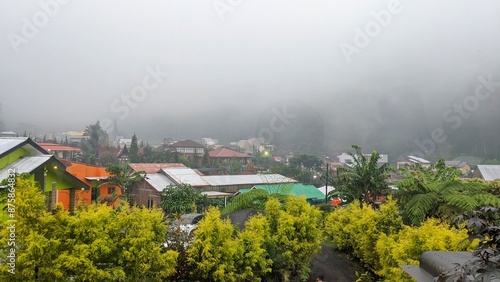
<point x="296" y="189"/>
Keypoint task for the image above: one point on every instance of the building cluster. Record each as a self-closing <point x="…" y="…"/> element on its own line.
<point x="58" y="169"/>
<point x="70" y="182"/>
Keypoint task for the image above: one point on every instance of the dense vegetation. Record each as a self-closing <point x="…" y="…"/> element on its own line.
<point x="100" y="242"/>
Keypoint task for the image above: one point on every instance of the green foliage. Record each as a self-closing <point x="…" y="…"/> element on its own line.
<point x="256" y="199"/>
<point x="301" y="175"/>
<point x="108" y="158"/>
<point x="251" y="258"/>
<point x="181" y="200"/>
<point x="213" y="250"/>
<point x="484" y="224"/>
<point x="235" y="166"/>
<point x="295" y="235"/>
<point x="437" y="192"/>
<point x="134" y="150"/>
<point x="494" y="187"/>
<point x="220" y="253"/>
<point x="264" y="160"/>
<point x="97" y="243"/>
<point x="97" y="137"/>
<point x="123" y="177"/>
<point x="205" y="160"/>
<point x="406" y="246"/>
<point x="381" y="242"/>
<point x="358" y="229"/>
<point x="364" y="181"/>
<point x="307" y="161"/>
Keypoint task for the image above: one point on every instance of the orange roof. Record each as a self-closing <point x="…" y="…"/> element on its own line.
<point x="82" y="171"/>
<point x="57" y="147"/>
<point x="154" y="167"/>
<point x="227" y="153"/>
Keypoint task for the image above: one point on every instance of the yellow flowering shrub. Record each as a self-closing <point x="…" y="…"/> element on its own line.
<point x="357" y="229"/>
<point x="405" y="247"/>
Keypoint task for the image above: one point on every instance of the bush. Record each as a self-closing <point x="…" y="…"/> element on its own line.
<point x="357" y="229"/>
<point x="97" y="243"/>
<point x="406" y="246"/>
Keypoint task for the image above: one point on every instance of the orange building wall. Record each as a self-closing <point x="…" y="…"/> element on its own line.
<point x="81" y="171"/>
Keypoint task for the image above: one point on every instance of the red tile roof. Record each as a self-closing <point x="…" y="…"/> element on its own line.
<point x="57" y="147"/>
<point x="154" y="167"/>
<point x="227" y="153"/>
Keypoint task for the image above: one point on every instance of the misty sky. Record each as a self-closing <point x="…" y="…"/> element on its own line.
<point x="230" y="62"/>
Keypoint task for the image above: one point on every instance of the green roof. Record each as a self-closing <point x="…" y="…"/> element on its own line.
<point x="296" y="189"/>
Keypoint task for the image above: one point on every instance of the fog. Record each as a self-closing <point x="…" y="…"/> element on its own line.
<point x="388" y="75"/>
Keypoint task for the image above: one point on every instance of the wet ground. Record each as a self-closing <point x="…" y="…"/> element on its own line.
<point x="333" y="265"/>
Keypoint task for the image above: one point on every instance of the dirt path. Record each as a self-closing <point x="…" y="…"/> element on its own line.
<point x="333" y="266"/>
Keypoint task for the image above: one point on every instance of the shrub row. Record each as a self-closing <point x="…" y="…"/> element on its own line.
<point x="381" y="242"/>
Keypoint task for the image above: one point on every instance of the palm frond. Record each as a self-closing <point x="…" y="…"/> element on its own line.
<point x="254" y="199"/>
<point x="462" y="201"/>
<point x="419" y="207"/>
<point x="487" y="199"/>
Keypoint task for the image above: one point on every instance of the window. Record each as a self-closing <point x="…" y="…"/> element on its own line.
<point x="111" y="190"/>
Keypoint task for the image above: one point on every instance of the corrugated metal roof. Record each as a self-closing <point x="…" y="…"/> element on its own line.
<point x="489" y="172"/>
<point x="185" y="176"/>
<point x="216" y="194"/>
<point x="24" y="165"/>
<point x="222" y="180"/>
<point x="458" y="164"/>
<point x="158" y="181"/>
<point x="297" y="189"/>
<point x="154" y="167"/>
<point x="418" y="160"/>
<point x="57" y="147"/>
<point x="7" y="143"/>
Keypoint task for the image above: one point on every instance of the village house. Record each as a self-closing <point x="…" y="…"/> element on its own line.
<point x="487" y="172"/>
<point x="224" y="156"/>
<point x="147" y="192"/>
<point x="22" y="155"/>
<point x="170" y="175"/>
<point x="464" y="167"/>
<point x="60" y="151"/>
<point x="187" y="148"/>
<point x="412" y="161"/>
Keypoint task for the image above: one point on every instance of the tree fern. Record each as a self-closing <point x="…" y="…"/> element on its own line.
<point x="437" y="192"/>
